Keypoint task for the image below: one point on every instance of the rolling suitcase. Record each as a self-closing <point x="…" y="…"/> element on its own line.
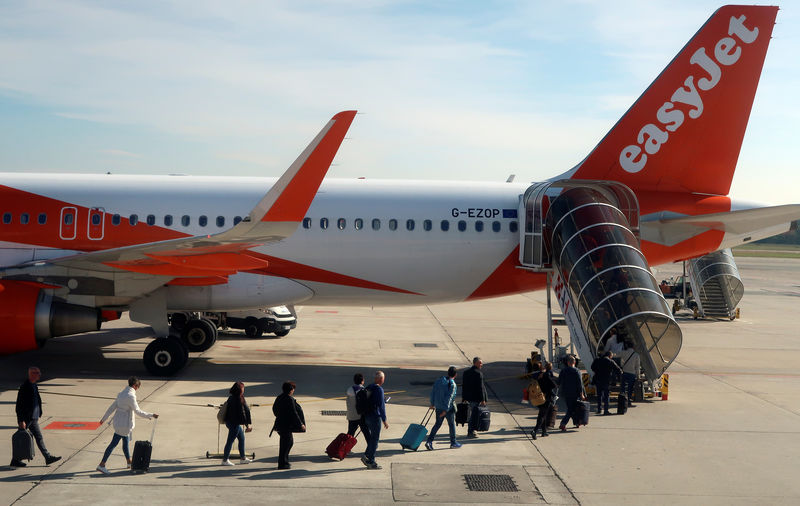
<point x="462" y="413"/>
<point x="552" y="416"/>
<point x="341" y="446"/>
<point x="483" y="418"/>
<point x="582" y="413"/>
<point x="142" y="451"/>
<point x="22" y="445"/>
<point x="416" y="433"/>
<point x="622" y="404"/>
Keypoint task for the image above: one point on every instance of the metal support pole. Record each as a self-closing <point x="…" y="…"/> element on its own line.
<point x="684" y="283"/>
<point x="549" y="320"/>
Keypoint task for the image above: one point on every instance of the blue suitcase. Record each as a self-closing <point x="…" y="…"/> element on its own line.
<point x="416" y="433"/>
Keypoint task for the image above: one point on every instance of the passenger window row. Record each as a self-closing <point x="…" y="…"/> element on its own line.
<point x="392" y="224"/>
<point x="116" y="219"/>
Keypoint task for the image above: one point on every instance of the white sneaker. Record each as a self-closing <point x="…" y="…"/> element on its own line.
<point x="103" y="469"/>
<point x="245" y="461"/>
<point x="227" y="462"/>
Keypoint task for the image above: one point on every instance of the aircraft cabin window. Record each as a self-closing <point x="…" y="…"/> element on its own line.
<point x="185" y="220"/>
<point x="220" y="221"/>
<point x="168" y="220"/>
<point x="133" y="219"/>
<point x="306" y="222"/>
<point x="358" y="223"/>
<point x="496" y="226"/>
<point x="323" y="223"/>
<point x="409" y="224"/>
<point x="513" y="227"/>
<point x="42" y="218"/>
<point x="7" y="218"/>
<point x="479" y="226"/>
<point x="68" y="218"/>
<point x="202" y="221"/>
<point x="392" y="224"/>
<point x="24" y="218"/>
<point x="445" y="225"/>
<point x="236" y="220"/>
<point x="462" y="225"/>
<point x="341" y="223"/>
<point x="427" y="225"/>
<point x="95" y="219"/>
<point x="151" y="219"/>
<point x="376" y="224"/>
<point x="116" y="220"/>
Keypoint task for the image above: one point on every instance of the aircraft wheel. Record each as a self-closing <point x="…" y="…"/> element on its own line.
<point x="252" y="327"/>
<point x="178" y="321"/>
<point x="164" y="357"/>
<point x="184" y="357"/>
<point x="281" y="333"/>
<point x="199" y="335"/>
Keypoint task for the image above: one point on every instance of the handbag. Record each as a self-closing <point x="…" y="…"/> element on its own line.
<point x="535" y="394"/>
<point x="223" y="411"/>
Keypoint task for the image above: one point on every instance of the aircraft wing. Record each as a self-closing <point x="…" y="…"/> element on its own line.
<point x="745" y="222"/>
<point x="275" y="217"/>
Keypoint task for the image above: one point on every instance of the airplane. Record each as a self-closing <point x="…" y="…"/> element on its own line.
<point x="77" y="250"/>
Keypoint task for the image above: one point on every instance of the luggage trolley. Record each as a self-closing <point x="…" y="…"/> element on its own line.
<point x="218" y="454"/>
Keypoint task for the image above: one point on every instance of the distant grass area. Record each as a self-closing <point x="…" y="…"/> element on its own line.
<point x="767" y="250"/>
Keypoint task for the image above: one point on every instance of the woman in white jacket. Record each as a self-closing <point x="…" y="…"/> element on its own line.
<point x="124" y="407"/>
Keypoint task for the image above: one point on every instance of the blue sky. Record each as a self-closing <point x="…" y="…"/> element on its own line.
<point x="447" y="90"/>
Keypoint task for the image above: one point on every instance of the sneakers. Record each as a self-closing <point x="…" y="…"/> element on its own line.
<point x="103" y="470"/>
<point x="533" y="435"/>
<point x="245" y="460"/>
<point x="544" y="434"/>
<point x="227" y="462"/>
<point x="284" y="466"/>
<point x="18" y="463"/>
<point x="365" y="461"/>
<point x="50" y="459"/>
<point x="455" y="444"/>
<point x="428" y="445"/>
<point x="472" y="435"/>
<point x="563" y="428"/>
<point x="374" y="465"/>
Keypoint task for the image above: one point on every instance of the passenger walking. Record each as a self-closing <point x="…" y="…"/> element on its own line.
<point x="237" y="413"/>
<point x="548" y="387"/>
<point x="570" y="386"/>
<point x="29" y="410"/>
<point x="124" y="408"/>
<point x="289" y="418"/>
<point x="474" y="392"/>
<point x="443" y="396"/>
<point x="355" y="418"/>
<point x="631" y="363"/>
<point x="375" y="415"/>
<point x="604" y="369"/>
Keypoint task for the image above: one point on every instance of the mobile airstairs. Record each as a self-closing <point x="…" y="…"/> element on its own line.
<point x="585" y="236"/>
<point x="716" y="284"/>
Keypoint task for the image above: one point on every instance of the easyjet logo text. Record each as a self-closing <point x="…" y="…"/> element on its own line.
<point x="687" y="99"/>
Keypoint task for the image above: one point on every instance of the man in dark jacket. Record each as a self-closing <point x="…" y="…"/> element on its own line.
<point x="29" y="410"/>
<point x="570" y="386"/>
<point x="604" y="368"/>
<point x="374" y="417"/>
<point x="289" y="418"/>
<point x="474" y="392"/>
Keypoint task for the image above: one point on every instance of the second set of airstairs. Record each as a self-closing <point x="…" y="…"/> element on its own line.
<point x="716" y="284"/>
<point x="584" y="235"/>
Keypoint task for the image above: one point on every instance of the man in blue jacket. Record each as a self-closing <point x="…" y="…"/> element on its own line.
<point x="374" y="417"/>
<point x="443" y="396"/>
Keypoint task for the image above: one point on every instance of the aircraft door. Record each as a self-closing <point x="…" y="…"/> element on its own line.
<point x="67" y="230"/>
<point x="95" y="227"/>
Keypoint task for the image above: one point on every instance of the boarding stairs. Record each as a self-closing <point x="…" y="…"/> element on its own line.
<point x="584" y="235"/>
<point x="716" y="284"/>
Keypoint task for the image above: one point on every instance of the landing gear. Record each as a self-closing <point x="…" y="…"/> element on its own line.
<point x="252" y="327"/>
<point x="165" y="356"/>
<point x="199" y="335"/>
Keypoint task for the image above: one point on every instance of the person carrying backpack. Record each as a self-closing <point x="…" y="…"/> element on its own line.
<point x="357" y="401"/>
<point x="548" y="387"/>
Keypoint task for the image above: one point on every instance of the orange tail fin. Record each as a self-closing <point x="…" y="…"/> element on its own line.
<point x="685" y="132"/>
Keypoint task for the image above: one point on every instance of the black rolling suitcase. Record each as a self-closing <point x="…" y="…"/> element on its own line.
<point x="582" y="413"/>
<point x="622" y="404"/>
<point x="142" y="451"/>
<point x="462" y="413"/>
<point x="22" y="445"/>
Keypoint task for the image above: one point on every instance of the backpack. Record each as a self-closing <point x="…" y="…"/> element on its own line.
<point x="535" y="394"/>
<point x="223" y="411"/>
<point x="362" y="401"/>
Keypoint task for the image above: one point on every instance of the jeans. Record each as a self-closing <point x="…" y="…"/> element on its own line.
<point x="572" y="412"/>
<point x="374" y="426"/>
<point x="603" y="392"/>
<point x="450" y="415"/>
<point x="352" y="425"/>
<point x="472" y="423"/>
<point x="234" y="432"/>
<point x="33" y="426"/>
<point x="628" y="381"/>
<point x="287" y="441"/>
<point x="113" y="444"/>
<point x="543" y="416"/>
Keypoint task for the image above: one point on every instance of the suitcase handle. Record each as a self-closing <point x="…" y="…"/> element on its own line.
<point x="428" y="416"/>
<point x="153" y="432"/>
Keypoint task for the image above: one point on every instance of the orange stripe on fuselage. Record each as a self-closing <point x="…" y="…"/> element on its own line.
<point x="507" y="279"/>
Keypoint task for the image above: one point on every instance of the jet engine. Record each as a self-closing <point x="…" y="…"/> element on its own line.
<point x="29" y="316"/>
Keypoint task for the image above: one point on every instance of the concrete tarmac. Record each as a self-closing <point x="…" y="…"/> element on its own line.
<point x="728" y="434"/>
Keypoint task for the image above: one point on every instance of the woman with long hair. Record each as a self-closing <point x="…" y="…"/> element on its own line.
<point x="237" y="414"/>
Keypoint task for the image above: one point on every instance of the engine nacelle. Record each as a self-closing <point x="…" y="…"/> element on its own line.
<point x="29" y="316"/>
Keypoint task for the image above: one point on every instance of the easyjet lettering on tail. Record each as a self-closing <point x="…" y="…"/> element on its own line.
<point x="669" y="115"/>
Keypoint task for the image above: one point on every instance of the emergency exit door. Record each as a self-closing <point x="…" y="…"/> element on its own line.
<point x="67" y="229"/>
